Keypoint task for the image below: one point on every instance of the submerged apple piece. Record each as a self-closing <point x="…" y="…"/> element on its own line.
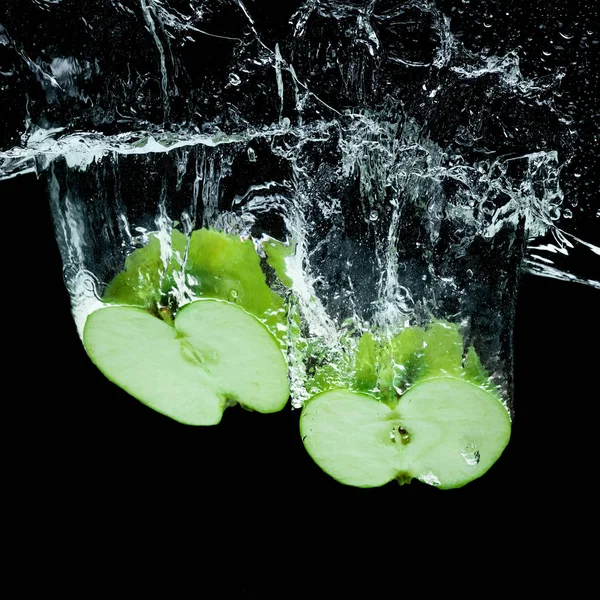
<point x="444" y="431"/>
<point x="215" y="354"/>
<point x="414" y="409"/>
<point x="401" y="363"/>
<point x="226" y="267"/>
<point x="216" y="265"/>
<point x="442" y="349"/>
<point x="277" y="253"/>
<point x="147" y="275"/>
<point x="365" y="364"/>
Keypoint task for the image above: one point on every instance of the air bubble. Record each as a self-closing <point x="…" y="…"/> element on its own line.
<point x="429" y="478"/>
<point x="234" y="79"/>
<point x="567" y="213"/>
<point x="471" y="455"/>
<point x="374" y="215"/>
<point x="251" y="155"/>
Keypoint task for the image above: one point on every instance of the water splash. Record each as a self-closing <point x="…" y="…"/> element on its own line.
<point x="376" y="51"/>
<point x="402" y="156"/>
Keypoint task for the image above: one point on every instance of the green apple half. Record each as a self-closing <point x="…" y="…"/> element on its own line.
<point x="215" y="354"/>
<point x="444" y="432"/>
<point x="411" y="407"/>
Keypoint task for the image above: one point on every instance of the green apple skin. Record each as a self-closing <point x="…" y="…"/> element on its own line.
<point x="214" y="355"/>
<point x="214" y="265"/>
<point x="388" y="368"/>
<point x="277" y="254"/>
<point x="228" y="268"/>
<point x="145" y="280"/>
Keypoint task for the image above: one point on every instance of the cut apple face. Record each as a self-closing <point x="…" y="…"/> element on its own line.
<point x="215" y="354"/>
<point x="444" y="432"/>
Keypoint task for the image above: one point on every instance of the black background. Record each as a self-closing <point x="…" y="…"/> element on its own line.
<point x="86" y="449"/>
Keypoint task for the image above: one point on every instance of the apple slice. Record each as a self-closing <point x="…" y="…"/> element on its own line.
<point x="214" y="355"/>
<point x="444" y="432"/>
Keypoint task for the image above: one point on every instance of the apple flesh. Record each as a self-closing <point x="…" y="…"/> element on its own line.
<point x="444" y="432"/>
<point x="214" y="354"/>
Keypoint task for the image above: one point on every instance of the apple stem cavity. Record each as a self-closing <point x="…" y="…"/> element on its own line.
<point x="166" y="315"/>
<point x="403" y="479"/>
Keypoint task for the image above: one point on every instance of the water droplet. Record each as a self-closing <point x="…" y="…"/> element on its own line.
<point x="251" y="155"/>
<point x="429" y="478"/>
<point x="374" y="215"/>
<point x="233" y="295"/>
<point x="234" y="79"/>
<point x="469" y="273"/>
<point x="471" y="455"/>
